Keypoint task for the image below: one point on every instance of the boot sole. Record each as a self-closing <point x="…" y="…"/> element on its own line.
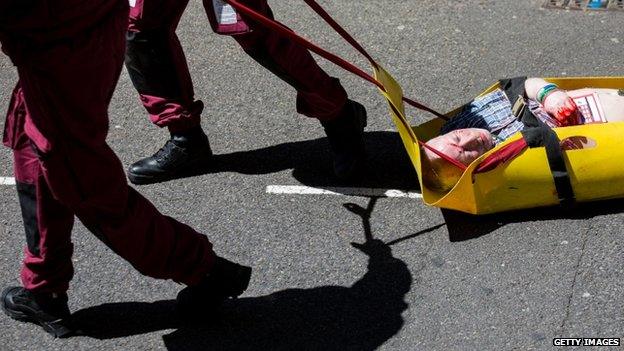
<point x="53" y="328"/>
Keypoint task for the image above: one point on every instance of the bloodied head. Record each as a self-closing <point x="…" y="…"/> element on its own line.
<point x="461" y="145"/>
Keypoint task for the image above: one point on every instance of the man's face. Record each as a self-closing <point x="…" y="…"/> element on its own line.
<point x="463" y="145"/>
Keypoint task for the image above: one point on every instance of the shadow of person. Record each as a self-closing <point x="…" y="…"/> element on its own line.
<point x="359" y="317"/>
<point x="311" y="162"/>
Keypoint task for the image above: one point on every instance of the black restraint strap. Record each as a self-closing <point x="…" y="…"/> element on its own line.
<point x="546" y="137"/>
<point x="538" y="134"/>
<point x="513" y="87"/>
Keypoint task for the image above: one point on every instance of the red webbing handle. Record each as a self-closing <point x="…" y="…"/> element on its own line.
<point x="346" y="36"/>
<point x="425" y="108"/>
<point x="282" y="29"/>
<point x="343" y="33"/>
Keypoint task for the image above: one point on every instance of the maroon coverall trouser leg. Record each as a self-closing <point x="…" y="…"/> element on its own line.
<point x="57" y="125"/>
<point x="158" y="69"/>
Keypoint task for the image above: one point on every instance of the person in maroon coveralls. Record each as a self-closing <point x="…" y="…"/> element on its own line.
<point x="158" y="70"/>
<point x="68" y="55"/>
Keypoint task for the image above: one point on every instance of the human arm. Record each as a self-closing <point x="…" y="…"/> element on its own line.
<point x="555" y="101"/>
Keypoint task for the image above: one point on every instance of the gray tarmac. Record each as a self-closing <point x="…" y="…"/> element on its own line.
<point x="428" y="279"/>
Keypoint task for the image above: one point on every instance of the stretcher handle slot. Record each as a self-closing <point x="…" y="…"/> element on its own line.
<point x="577" y="142"/>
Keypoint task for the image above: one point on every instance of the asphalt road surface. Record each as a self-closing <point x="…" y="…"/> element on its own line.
<point x="428" y="279"/>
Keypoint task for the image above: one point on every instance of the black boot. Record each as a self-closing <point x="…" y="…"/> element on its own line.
<point x="225" y="280"/>
<point x="346" y="140"/>
<point x="185" y="154"/>
<point x="48" y="310"/>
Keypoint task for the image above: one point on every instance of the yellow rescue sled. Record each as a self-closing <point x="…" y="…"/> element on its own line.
<point x="526" y="181"/>
<point x="529" y="179"/>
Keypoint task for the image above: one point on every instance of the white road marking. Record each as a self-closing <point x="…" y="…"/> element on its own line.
<point x="368" y="192"/>
<point x="7" y="181"/>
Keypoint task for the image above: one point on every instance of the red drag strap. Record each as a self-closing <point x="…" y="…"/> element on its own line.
<point x="282" y="29"/>
<point x="504" y="154"/>
<point x="346" y="36"/>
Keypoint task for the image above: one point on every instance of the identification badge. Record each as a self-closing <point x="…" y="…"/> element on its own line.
<point x="224" y="13"/>
<point x="224" y="19"/>
<point x="590" y="108"/>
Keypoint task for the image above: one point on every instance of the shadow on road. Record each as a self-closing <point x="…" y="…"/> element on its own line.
<point x="389" y="168"/>
<point x="462" y="226"/>
<point x="359" y="317"/>
<point x="311" y="162"/>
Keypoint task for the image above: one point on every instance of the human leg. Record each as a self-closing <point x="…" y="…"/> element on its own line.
<point x="84" y="174"/>
<point x="47" y="266"/>
<point x="157" y="67"/>
<point x="319" y="95"/>
<point x="67" y="88"/>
